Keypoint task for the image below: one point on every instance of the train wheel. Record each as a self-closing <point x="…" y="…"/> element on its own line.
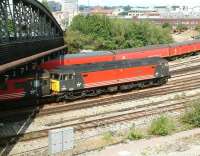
<point x="141" y="85"/>
<point x="125" y="87"/>
<point x="90" y="93"/>
<point x="161" y="81"/>
<point x="112" y="89"/>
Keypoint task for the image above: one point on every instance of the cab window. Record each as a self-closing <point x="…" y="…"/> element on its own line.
<point x="45" y="82"/>
<point x="65" y="77"/>
<point x="3" y="86"/>
<point x="55" y="76"/>
<point x="71" y="76"/>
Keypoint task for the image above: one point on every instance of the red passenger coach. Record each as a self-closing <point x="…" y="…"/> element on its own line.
<point x="163" y="51"/>
<point x="80" y="58"/>
<point x="182" y="48"/>
<point x="12" y="89"/>
<point x="144" y="52"/>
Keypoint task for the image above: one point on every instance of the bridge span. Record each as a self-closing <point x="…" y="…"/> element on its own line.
<point x="28" y="31"/>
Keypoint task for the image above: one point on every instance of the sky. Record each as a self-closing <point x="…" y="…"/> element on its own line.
<point x="140" y="2"/>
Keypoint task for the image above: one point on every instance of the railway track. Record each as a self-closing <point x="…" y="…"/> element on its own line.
<point x="126" y="97"/>
<point x="102" y="119"/>
<point x="190" y="80"/>
<point x="192" y="59"/>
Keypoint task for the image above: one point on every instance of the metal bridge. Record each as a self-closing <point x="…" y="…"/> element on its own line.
<point x="27" y="31"/>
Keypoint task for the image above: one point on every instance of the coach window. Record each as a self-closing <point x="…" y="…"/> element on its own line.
<point x="3" y="86"/>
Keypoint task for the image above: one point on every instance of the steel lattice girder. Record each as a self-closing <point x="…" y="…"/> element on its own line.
<point x="26" y="28"/>
<point x="26" y="20"/>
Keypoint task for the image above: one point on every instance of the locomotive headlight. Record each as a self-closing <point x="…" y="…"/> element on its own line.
<point x="63" y="88"/>
<point x="157" y="74"/>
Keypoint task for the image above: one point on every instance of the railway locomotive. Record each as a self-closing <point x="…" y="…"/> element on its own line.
<point x="83" y="80"/>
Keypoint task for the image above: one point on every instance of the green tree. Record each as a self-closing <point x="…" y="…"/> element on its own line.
<point x="181" y="27"/>
<point x="167" y="26"/>
<point x="197" y="28"/>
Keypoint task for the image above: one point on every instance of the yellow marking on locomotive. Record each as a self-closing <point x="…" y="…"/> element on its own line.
<point x="55" y="85"/>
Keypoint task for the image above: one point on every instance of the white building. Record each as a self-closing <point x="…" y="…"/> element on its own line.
<point x="70" y="7"/>
<point x="62" y="18"/>
<point x="143" y="14"/>
<point x="117" y="11"/>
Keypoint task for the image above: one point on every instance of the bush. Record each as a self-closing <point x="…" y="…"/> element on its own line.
<point x="181" y="27"/>
<point x="192" y="115"/>
<point x="135" y="135"/>
<point x="197" y="28"/>
<point x="167" y="26"/>
<point x="162" y="126"/>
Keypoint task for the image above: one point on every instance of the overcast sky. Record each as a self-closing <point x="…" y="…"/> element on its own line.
<point x="140" y="2"/>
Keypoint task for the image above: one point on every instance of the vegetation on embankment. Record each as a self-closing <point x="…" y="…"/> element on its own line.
<point x="98" y="32"/>
<point x="163" y="125"/>
<point x="192" y="114"/>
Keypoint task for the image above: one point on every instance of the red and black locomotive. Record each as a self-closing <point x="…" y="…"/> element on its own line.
<point x="75" y="81"/>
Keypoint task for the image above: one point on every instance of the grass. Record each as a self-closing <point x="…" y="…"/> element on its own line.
<point x="192" y="115"/>
<point x="135" y="135"/>
<point x="162" y="126"/>
<point x="108" y="136"/>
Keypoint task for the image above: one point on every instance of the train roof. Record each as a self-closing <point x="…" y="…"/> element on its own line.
<point x="141" y="48"/>
<point x="184" y="43"/>
<point x="107" y="65"/>
<point x="88" y="54"/>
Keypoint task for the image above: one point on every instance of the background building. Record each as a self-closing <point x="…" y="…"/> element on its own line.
<point x="54" y="6"/>
<point x="70" y="7"/>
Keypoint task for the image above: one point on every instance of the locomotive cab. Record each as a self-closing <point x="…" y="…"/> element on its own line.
<point x="65" y="81"/>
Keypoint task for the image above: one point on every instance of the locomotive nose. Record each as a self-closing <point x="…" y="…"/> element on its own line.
<point x="55" y="87"/>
